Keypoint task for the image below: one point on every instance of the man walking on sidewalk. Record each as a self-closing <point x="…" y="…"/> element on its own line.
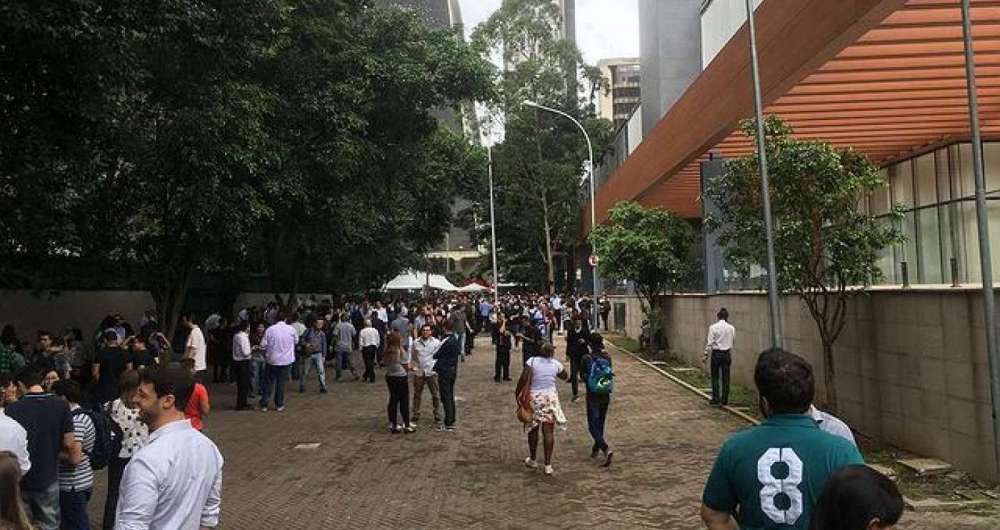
<point x="719" y="346"/>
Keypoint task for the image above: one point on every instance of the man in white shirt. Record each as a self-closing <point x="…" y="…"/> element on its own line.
<point x="369" y="341"/>
<point x="831" y="424"/>
<point x="382" y="312"/>
<point x="279" y="353"/>
<point x="14" y="438"/>
<point x="175" y="481"/>
<point x="557" y="306"/>
<point x="242" y="353"/>
<point x="424" y="349"/>
<point x="195" y="348"/>
<point x="718" y="345"/>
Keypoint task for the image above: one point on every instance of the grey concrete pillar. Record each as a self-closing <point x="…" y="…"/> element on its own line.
<point x="714" y="168"/>
<point x="670" y="54"/>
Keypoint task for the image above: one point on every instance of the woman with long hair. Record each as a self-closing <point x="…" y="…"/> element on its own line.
<point x="539" y="378"/>
<point x="11" y="510"/>
<point x="397" y="369"/>
<point x="858" y="498"/>
<point x="134" y="436"/>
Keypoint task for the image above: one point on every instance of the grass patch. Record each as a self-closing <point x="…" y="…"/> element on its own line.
<point x="739" y="396"/>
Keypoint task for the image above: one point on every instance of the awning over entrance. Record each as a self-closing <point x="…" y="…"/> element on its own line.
<point x="885" y="77"/>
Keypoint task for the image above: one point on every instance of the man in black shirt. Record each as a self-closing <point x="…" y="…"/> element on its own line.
<point x="108" y="365"/>
<point x="577" y="339"/>
<point x="447" y="357"/>
<point x="49" y="424"/>
<point x="531" y="340"/>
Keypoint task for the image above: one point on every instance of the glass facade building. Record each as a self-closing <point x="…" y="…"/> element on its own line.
<point x="936" y="191"/>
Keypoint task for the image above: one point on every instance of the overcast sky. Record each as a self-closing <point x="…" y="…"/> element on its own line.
<point x="604" y="28"/>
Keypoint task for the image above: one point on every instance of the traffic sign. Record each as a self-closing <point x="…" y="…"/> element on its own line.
<point x="593" y="260"/>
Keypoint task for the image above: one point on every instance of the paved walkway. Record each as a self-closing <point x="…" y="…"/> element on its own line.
<point x="361" y="477"/>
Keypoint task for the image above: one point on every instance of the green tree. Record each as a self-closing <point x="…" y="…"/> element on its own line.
<point x="54" y="83"/>
<point x="145" y="142"/>
<point x="539" y="165"/>
<point x="367" y="171"/>
<point x="826" y="250"/>
<point x="156" y="172"/>
<point x="649" y="247"/>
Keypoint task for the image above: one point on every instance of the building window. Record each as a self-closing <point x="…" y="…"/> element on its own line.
<point x="937" y="191"/>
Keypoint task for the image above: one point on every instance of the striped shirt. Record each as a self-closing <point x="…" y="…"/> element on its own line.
<point x="79" y="477"/>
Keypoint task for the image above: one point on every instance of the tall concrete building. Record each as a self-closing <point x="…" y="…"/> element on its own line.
<point x="623" y="93"/>
<point x="568" y="9"/>
<point x="670" y="54"/>
<point x="458" y="252"/>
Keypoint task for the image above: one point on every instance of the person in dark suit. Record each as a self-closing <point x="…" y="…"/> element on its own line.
<point x="446" y="366"/>
<point x="577" y="340"/>
<point x="531" y="340"/>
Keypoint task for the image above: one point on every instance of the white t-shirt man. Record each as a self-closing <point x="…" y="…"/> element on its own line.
<point x="196" y="343"/>
<point x="829" y="423"/>
<point x="279" y="344"/>
<point x="369" y="337"/>
<point x="720" y="336"/>
<point x="544" y="371"/>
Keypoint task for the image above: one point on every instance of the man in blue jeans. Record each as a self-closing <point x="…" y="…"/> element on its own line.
<point x="279" y="354"/>
<point x="314" y="355"/>
<point x="49" y="425"/>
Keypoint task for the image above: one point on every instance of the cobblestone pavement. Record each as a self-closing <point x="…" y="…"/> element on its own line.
<point x="361" y="477"/>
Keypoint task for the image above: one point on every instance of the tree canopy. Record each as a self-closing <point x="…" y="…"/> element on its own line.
<point x="826" y="247"/>
<point x="650" y="247"/>
<point x="540" y="163"/>
<point x="145" y="141"/>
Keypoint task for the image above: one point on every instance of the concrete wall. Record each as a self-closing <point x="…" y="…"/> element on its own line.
<point x="911" y="365"/>
<point x="58" y="310"/>
<point x="720" y="20"/>
<point x="670" y="54"/>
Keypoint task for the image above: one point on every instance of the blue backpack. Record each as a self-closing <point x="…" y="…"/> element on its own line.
<point x="600" y="380"/>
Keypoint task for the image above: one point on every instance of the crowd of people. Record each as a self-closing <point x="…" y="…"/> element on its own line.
<point x="136" y="406"/>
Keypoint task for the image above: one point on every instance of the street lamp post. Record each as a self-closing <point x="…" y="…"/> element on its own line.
<point x="593" y="202"/>
<point x="493" y="231"/>
<point x="765" y="193"/>
<point x="982" y="222"/>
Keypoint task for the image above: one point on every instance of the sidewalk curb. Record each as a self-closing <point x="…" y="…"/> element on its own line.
<point x="681" y="382"/>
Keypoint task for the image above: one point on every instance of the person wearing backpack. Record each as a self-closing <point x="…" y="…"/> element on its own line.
<point x="76" y="482"/>
<point x="600" y="384"/>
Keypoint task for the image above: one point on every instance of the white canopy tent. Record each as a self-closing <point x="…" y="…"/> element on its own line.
<point x="473" y="288"/>
<point x="416" y="280"/>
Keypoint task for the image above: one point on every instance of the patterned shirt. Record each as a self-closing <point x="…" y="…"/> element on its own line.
<point x="134" y="431"/>
<point x="79" y="477"/>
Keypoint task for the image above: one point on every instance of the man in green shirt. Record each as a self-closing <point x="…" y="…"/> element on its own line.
<point x="771" y="476"/>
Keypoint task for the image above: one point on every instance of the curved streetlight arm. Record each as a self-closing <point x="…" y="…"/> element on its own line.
<point x="590" y="148"/>
<point x="593" y="196"/>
